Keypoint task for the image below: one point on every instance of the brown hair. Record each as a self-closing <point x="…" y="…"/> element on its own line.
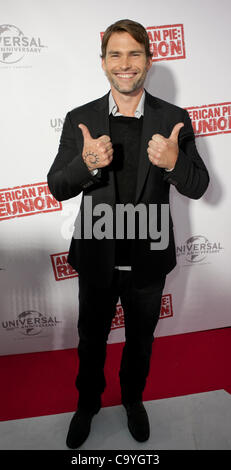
<point x="136" y="30"/>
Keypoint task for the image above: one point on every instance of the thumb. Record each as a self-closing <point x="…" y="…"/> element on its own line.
<point x="175" y="132"/>
<point x="85" y="131"/>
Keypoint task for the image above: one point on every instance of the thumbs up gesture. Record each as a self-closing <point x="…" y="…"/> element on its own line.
<point x="97" y="153"/>
<point x="163" y="152"/>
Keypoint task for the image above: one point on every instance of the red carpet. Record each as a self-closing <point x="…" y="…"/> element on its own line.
<point x="40" y="384"/>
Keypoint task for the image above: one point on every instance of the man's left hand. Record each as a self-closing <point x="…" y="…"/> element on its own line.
<point x="163" y="152"/>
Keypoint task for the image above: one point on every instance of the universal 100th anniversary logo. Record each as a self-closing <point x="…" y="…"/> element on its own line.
<point x="15" y="45"/>
<point x="198" y="249"/>
<point x="30" y="323"/>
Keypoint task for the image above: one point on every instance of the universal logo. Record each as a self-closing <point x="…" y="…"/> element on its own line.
<point x="30" y="323"/>
<point x="57" y="124"/>
<point x="14" y="44"/>
<point x="197" y="249"/>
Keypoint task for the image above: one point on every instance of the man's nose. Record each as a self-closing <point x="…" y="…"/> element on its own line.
<point x="125" y="63"/>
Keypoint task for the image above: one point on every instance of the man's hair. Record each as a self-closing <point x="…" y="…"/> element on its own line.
<point x="136" y="30"/>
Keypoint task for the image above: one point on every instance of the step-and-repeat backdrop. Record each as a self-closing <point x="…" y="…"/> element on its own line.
<point x="49" y="64"/>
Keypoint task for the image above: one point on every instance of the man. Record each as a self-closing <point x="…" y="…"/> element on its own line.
<point x="124" y="148"/>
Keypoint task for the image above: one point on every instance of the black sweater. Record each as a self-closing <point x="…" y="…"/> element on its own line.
<point x="125" y="133"/>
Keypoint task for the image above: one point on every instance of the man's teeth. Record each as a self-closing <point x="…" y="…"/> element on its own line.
<point x="125" y="75"/>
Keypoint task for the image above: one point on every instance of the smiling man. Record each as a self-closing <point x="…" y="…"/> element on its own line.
<point x="126" y="64"/>
<point x="127" y="147"/>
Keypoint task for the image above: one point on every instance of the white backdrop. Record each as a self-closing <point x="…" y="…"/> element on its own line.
<point x="49" y="64"/>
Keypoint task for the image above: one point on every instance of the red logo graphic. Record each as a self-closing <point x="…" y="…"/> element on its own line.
<point x="165" y="311"/>
<point x="211" y="119"/>
<point x="166" y="42"/>
<point x="62" y="269"/>
<point x="27" y="200"/>
<point x="118" y="320"/>
<point x="166" y="306"/>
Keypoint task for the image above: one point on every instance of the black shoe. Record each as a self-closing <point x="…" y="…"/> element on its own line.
<point x="80" y="427"/>
<point x="138" y="423"/>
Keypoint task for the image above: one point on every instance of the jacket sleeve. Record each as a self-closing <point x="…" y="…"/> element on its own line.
<point x="190" y="176"/>
<point x="68" y="175"/>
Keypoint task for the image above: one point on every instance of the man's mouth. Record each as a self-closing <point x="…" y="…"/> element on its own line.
<point x="125" y="75"/>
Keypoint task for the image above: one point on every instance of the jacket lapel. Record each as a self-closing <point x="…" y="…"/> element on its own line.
<point x="101" y="120"/>
<point x="152" y="124"/>
<point x="101" y="127"/>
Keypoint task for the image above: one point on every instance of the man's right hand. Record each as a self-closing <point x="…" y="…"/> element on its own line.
<point x="97" y="153"/>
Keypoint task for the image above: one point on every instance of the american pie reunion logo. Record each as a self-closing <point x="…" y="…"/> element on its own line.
<point x="165" y="312"/>
<point x="211" y="119"/>
<point x="27" y="200"/>
<point x="62" y="270"/>
<point x="166" y="42"/>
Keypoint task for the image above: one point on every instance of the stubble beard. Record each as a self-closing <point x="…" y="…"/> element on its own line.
<point x="136" y="85"/>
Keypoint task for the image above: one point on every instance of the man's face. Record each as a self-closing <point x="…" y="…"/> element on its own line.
<point x="125" y="64"/>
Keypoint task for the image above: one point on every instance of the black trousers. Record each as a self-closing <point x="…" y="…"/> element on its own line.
<point x="97" y="307"/>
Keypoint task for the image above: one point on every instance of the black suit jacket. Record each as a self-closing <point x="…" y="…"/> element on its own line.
<point x="69" y="176"/>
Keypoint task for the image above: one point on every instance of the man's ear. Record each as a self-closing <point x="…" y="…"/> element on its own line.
<point x="103" y="63"/>
<point x="149" y="63"/>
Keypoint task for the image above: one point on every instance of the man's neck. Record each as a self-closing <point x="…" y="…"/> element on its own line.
<point x="127" y="103"/>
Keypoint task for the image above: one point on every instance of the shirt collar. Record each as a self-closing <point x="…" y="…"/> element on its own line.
<point x="113" y="109"/>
